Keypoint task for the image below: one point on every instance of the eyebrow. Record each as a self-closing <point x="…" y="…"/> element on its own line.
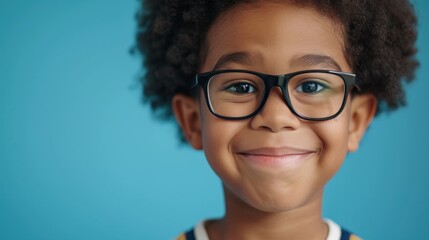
<point x="306" y="60"/>
<point x="315" y="60"/>
<point x="235" y="57"/>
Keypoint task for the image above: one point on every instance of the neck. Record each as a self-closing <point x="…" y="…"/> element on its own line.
<point x="242" y="221"/>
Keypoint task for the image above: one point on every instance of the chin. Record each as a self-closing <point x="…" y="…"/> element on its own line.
<point x="276" y="203"/>
<point x="277" y="207"/>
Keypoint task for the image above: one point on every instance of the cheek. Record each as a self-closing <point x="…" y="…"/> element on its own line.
<point x="216" y="132"/>
<point x="334" y="135"/>
<point x="334" y="132"/>
<point x="217" y="136"/>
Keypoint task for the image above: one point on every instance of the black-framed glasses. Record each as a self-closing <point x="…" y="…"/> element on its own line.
<point x="314" y="95"/>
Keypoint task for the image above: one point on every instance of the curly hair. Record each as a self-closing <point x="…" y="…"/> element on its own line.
<point x="380" y="38"/>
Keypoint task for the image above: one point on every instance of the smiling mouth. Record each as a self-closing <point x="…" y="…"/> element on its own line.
<point x="277" y="158"/>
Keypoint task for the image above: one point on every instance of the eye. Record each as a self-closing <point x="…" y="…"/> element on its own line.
<point x="310" y="87"/>
<point x="241" y="88"/>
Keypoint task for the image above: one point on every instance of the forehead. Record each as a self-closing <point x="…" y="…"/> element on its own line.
<point x="272" y="29"/>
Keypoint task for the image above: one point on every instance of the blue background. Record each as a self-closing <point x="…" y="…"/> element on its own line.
<point x="81" y="158"/>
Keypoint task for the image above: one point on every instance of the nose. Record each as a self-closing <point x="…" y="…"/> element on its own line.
<point x="275" y="115"/>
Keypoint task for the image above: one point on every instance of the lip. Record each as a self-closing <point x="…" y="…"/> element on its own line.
<point x="284" y="157"/>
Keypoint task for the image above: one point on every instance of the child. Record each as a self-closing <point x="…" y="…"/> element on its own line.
<point x="276" y="93"/>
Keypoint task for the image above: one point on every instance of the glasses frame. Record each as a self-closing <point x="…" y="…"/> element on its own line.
<point x="271" y="81"/>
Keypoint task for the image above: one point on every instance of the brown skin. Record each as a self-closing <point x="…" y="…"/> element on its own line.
<point x="280" y="201"/>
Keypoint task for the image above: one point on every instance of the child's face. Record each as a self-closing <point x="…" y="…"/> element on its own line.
<point x="274" y="161"/>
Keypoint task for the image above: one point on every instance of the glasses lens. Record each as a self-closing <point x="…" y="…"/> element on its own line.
<point x="316" y="95"/>
<point x="235" y="94"/>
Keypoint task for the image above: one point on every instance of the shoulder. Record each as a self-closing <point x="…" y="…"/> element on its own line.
<point x="336" y="232"/>
<point x="186" y="236"/>
<point x="346" y="235"/>
<point x="196" y="233"/>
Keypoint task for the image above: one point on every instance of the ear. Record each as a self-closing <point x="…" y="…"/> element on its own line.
<point x="363" y="108"/>
<point x="187" y="113"/>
